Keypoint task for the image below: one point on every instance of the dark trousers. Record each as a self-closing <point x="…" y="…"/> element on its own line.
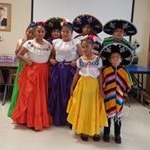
<point x="117" y="127"/>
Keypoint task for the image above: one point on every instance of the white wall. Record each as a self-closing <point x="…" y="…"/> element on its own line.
<point x="104" y="10"/>
<point x="20" y="18"/>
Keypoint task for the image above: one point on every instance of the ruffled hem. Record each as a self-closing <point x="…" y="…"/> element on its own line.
<point x="86" y="111"/>
<point x="31" y="108"/>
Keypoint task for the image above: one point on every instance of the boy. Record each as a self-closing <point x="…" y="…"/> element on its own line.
<point x="116" y="84"/>
<point x="118" y="29"/>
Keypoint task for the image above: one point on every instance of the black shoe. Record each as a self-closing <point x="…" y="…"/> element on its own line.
<point x="118" y="139"/>
<point x="84" y="137"/>
<point x="70" y="126"/>
<point x="106" y="138"/>
<point x="96" y="138"/>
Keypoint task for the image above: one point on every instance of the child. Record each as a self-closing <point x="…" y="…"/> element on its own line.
<point x="88" y="25"/>
<point x="118" y="29"/>
<point x="30" y="32"/>
<point x="85" y="109"/>
<point x="53" y="28"/>
<point x="116" y="84"/>
<point x="64" y="65"/>
<point x="31" y="108"/>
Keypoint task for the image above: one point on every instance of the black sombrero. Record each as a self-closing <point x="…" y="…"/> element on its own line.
<point x="126" y="53"/>
<point x="85" y="19"/>
<point x="128" y="27"/>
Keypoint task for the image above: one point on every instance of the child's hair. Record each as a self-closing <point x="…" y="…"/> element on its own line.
<point x="31" y="25"/>
<point x="88" y="39"/>
<point x="40" y="23"/>
<point x="67" y="24"/>
<point x="113" y="53"/>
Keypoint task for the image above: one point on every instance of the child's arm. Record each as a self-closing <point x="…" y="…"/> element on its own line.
<point x="19" y="46"/>
<point x="101" y="84"/>
<point x="74" y="82"/>
<point x="79" y="51"/>
<point x="22" y="58"/>
<point x="53" y="61"/>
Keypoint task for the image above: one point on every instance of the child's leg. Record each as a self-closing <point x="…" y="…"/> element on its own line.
<point x="117" y="130"/>
<point x="107" y="131"/>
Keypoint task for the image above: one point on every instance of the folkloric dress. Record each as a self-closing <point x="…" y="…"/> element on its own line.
<point x="86" y="111"/>
<point x="61" y="78"/>
<point x="32" y="105"/>
<point x="15" y="91"/>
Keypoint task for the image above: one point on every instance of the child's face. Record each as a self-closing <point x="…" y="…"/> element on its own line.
<point x="55" y="34"/>
<point x="115" y="59"/>
<point x="86" y="30"/>
<point x="66" y="34"/>
<point x="118" y="34"/>
<point x="86" y="47"/>
<point x="40" y="32"/>
<point x="30" y="33"/>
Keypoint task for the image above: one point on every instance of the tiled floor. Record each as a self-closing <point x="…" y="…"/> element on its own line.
<point x="135" y="134"/>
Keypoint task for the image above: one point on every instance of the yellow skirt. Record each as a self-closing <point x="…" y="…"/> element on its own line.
<point x="86" y="111"/>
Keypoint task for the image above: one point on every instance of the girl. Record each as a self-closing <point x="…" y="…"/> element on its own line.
<point x="66" y="53"/>
<point x="53" y="28"/>
<point x="30" y="32"/>
<point x="85" y="109"/>
<point x="31" y="108"/>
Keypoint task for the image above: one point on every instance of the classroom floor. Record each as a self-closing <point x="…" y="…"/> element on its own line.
<point x="135" y="134"/>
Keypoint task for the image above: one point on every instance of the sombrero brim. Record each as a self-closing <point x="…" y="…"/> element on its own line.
<point x="128" y="27"/>
<point x="84" y="19"/>
<point x="126" y="53"/>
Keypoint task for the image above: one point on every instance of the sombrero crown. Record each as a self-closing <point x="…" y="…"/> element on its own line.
<point x="85" y="19"/>
<point x="123" y="50"/>
<point x="127" y="26"/>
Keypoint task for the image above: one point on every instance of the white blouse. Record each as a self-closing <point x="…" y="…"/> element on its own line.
<point x="66" y="51"/>
<point x="89" y="68"/>
<point x="36" y="52"/>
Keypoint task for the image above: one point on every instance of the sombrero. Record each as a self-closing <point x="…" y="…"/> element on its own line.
<point x="125" y="52"/>
<point x="85" y="19"/>
<point x="127" y="26"/>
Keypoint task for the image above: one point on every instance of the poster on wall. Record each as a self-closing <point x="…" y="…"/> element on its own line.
<point x="5" y="17"/>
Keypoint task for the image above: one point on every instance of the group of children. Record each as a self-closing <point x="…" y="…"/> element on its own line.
<point x="63" y="81"/>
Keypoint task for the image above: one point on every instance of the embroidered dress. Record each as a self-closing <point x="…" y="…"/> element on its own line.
<point x="15" y="91"/>
<point x="31" y="108"/>
<point x="61" y="78"/>
<point x="117" y="83"/>
<point x="85" y="109"/>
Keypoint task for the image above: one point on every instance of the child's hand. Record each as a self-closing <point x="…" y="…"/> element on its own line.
<point x="30" y="63"/>
<point x="71" y="91"/>
<point x="103" y="95"/>
<point x="53" y="61"/>
<point x="73" y="63"/>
